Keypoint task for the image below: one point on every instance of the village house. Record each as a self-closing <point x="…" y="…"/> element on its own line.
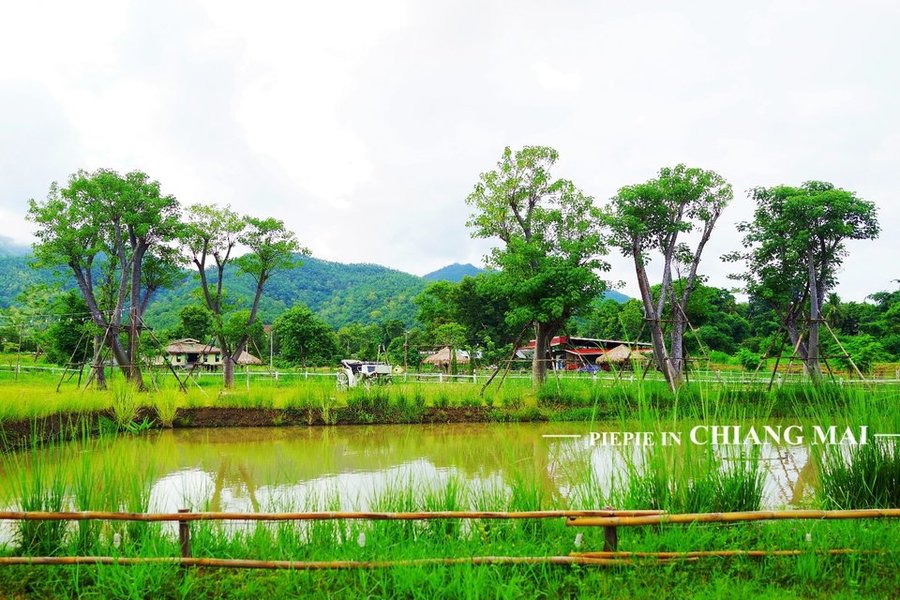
<point x="573" y="353"/>
<point x="189" y="353"/>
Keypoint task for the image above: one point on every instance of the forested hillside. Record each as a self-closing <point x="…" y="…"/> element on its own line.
<point x="453" y="273"/>
<point x="339" y="293"/>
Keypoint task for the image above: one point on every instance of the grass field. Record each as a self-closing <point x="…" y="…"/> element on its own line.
<point x="694" y="480"/>
<point x="55" y="479"/>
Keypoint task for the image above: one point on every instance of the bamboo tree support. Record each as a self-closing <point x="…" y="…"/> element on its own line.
<point x="181" y="385"/>
<point x="70" y="362"/>
<point x="98" y="358"/>
<point x="508" y="362"/>
<point x="791" y="361"/>
<point x="700" y="345"/>
<point x="765" y="356"/>
<point x="846" y="354"/>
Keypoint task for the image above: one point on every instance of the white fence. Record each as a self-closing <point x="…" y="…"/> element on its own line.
<point x="737" y="378"/>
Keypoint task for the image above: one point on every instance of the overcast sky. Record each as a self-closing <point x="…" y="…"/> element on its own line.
<point x="365" y="125"/>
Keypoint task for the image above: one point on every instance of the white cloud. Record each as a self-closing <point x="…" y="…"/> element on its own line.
<point x="555" y="79"/>
<point x="364" y="125"/>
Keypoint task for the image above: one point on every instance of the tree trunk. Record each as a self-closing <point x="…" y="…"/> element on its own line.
<point x="99" y="370"/>
<point x="656" y="333"/>
<point x="812" y="358"/>
<point x="228" y="369"/>
<point x="539" y="360"/>
<point x="676" y="357"/>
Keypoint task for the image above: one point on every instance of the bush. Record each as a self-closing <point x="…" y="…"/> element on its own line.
<point x="750" y="361"/>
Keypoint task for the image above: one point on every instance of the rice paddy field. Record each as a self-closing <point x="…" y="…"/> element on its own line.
<point x="413" y="447"/>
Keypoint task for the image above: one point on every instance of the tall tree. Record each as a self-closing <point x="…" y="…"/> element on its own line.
<point x="654" y="218"/>
<point x="304" y="339"/>
<point x="211" y="237"/>
<point x="793" y="249"/>
<point x="106" y="225"/>
<point x="551" y="243"/>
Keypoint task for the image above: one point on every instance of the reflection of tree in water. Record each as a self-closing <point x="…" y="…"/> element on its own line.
<point x="241" y="461"/>
<point x="249" y="458"/>
<point x="244" y="477"/>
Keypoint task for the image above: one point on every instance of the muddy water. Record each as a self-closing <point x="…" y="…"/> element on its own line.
<point x="329" y="468"/>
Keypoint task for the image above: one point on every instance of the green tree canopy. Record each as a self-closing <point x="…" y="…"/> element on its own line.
<point x="551" y="241"/>
<point x="112" y="232"/>
<point x="654" y="218"/>
<point x="793" y="250"/>
<point x="304" y="339"/>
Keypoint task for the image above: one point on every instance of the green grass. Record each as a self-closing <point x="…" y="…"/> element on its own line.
<point x="807" y="576"/>
<point x="567" y="398"/>
<point x="682" y="479"/>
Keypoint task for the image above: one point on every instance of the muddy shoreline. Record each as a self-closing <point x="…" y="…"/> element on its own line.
<point x="23" y="433"/>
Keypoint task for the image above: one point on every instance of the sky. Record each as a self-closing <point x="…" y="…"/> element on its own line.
<point x="364" y="125"/>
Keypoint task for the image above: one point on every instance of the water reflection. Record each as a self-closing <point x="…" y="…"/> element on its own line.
<point x="330" y="468"/>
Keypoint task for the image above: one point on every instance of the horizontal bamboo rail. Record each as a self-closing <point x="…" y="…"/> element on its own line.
<point x="315" y="516"/>
<point x="609" y="519"/>
<point x="732" y="517"/>
<point x="720" y="553"/>
<point x="235" y="563"/>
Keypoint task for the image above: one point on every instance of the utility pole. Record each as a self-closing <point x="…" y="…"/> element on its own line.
<point x="406" y="352"/>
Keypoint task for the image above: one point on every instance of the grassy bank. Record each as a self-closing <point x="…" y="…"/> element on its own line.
<point x="36" y="395"/>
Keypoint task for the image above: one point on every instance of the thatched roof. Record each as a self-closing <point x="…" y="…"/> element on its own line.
<point x="191" y="346"/>
<point x="442" y="357"/>
<point x="248" y="359"/>
<point x="619" y="355"/>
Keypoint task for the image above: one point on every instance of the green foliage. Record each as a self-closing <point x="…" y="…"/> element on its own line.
<point x="793" y="249"/>
<point x="303" y="338"/>
<point x="551" y="241"/>
<point x="478" y="304"/>
<point x="748" y="360"/>
<point x="238" y="327"/>
<point x="648" y="219"/>
<point x="69" y="338"/>
<point x="195" y="322"/>
<point x="864" y="350"/>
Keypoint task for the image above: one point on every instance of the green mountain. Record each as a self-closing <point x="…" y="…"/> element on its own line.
<point x="339" y="293"/>
<point x="453" y="273"/>
<point x="17" y="274"/>
<point x="617" y="296"/>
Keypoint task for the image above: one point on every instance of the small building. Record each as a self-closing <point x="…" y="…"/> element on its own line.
<point x="189" y="353"/>
<point x="443" y="358"/>
<point x="621" y="357"/>
<point x="573" y="353"/>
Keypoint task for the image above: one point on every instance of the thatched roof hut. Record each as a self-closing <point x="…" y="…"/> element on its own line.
<point x="442" y="357"/>
<point x="188" y="352"/>
<point x="620" y="355"/>
<point x="191" y="346"/>
<point x="248" y="359"/>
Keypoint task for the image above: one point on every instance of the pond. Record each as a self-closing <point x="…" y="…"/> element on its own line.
<point x="352" y="467"/>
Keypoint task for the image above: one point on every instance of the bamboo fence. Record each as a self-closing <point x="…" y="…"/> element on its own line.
<point x="316" y="516"/>
<point x="609" y="519"/>
<point x="732" y="517"/>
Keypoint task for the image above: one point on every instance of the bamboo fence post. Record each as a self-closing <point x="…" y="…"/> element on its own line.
<point x="610" y="535"/>
<point x="184" y="534"/>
